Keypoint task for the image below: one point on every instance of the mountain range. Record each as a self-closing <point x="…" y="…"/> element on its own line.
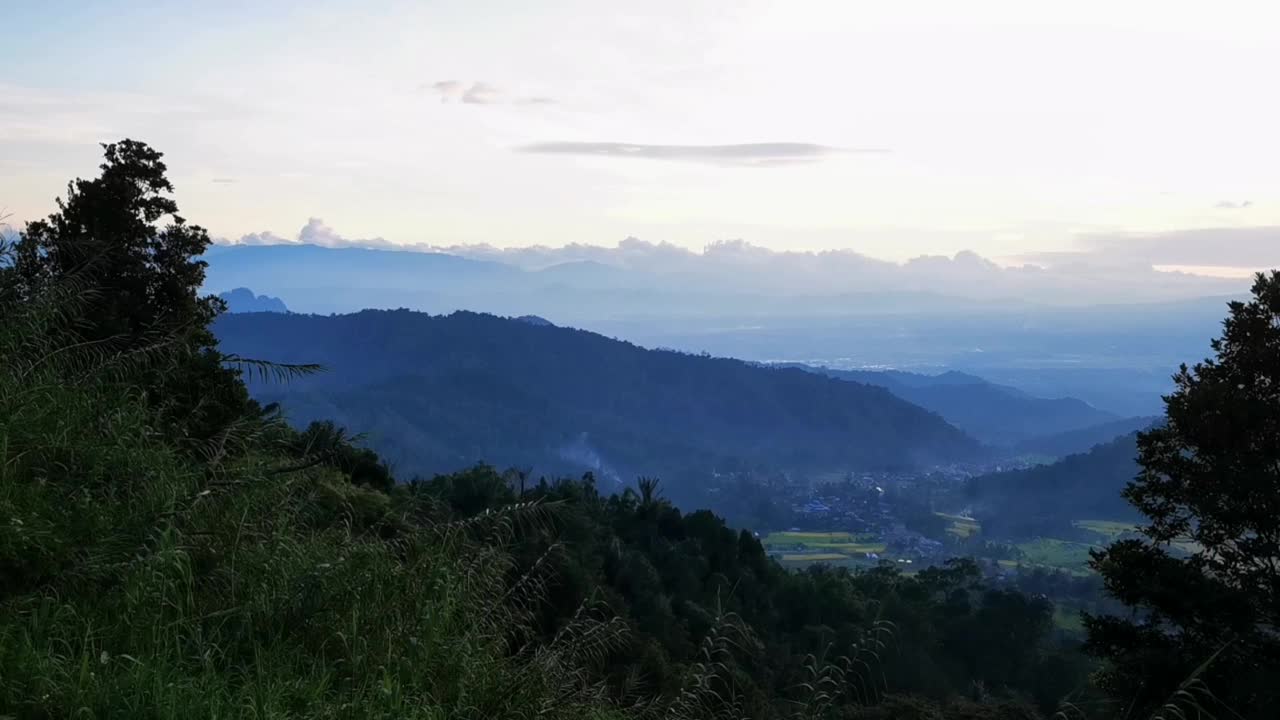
<point x="437" y="393"/>
<point x="737" y="301"/>
<point x="994" y="414"/>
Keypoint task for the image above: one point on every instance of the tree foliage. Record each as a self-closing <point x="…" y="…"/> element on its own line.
<point x="119" y="241"/>
<point x="441" y="393"/>
<point x="1045" y="500"/>
<point x="1209" y="483"/>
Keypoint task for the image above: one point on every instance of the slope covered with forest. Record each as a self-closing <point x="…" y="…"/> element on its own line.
<point x="438" y="393"/>
<point x="169" y="548"/>
<point x="1047" y="499"/>
<point x="992" y="413"/>
<point x="172" y="549"/>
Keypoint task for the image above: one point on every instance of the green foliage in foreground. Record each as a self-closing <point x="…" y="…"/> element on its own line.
<point x="1203" y="573"/>
<point x="150" y="567"/>
<point x="277" y="578"/>
<point x="170" y="550"/>
<point x="137" y="582"/>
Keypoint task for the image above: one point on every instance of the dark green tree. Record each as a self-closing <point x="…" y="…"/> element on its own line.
<point x="324" y="443"/>
<point x="120" y="239"/>
<point x="1209" y="483"/>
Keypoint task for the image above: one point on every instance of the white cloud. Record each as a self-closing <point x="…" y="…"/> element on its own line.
<point x="737" y="267"/>
<point x="481" y="94"/>
<point x="315" y="232"/>
<point x="743" y="154"/>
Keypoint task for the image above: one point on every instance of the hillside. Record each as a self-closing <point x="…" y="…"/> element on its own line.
<point x="170" y="548"/>
<point x="437" y="393"/>
<point x="1083" y="440"/>
<point x="1047" y="499"/>
<point x="994" y="414"/>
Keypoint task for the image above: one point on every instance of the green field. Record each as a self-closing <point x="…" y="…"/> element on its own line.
<point x="807" y="538"/>
<point x="858" y="548"/>
<point x="1061" y="554"/>
<point x="803" y="548"/>
<point x="1067" y="617"/>
<point x="1110" y="529"/>
<point x="961" y="527"/>
<point x="814" y="557"/>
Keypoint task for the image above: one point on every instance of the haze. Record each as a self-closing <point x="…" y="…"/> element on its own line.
<point x="1141" y="134"/>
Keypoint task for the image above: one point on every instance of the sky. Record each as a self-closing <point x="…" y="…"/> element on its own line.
<point x="1023" y="131"/>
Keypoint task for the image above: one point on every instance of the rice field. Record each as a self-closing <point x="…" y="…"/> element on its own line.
<point x="1110" y="529"/>
<point x="807" y="538"/>
<point x="1051" y="552"/>
<point x="961" y="527"/>
<point x="814" y="557"/>
<point x="803" y="548"/>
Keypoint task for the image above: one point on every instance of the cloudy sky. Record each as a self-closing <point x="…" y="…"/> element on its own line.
<point x="1139" y="130"/>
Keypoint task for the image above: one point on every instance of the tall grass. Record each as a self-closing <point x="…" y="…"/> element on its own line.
<point x="138" y="582"/>
<point x="141" y="580"/>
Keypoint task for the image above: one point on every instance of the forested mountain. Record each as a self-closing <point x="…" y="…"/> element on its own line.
<point x="438" y="393"/>
<point x="1046" y="499"/>
<point x="242" y="300"/>
<point x="994" y="414"/>
<point x="1073" y="442"/>
<point x="170" y="548"/>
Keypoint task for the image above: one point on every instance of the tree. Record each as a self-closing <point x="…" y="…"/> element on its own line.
<point x="141" y="279"/>
<point x="1204" y="580"/>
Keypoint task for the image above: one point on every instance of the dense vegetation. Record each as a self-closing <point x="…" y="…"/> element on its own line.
<point x="171" y="549"/>
<point x="440" y="393"/>
<point x="1209" y="481"/>
<point x="1047" y="499"/>
<point x="156" y="564"/>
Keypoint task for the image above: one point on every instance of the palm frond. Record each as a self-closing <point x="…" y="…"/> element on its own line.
<point x="266" y="370"/>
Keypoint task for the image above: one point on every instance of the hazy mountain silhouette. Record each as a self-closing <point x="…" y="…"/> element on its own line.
<point x="1078" y="441"/>
<point x="994" y="414"/>
<point x="242" y="300"/>
<point x="437" y="393"/>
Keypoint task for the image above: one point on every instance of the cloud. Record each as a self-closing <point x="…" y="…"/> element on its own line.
<point x="263" y="238"/>
<point x="315" y="232"/>
<point x="1228" y="205"/>
<point x="225" y="181"/>
<point x="481" y="94"/>
<point x="749" y="154"/>
<point x="446" y="89"/>
<point x="1243" y="247"/>
<point x="739" y="269"/>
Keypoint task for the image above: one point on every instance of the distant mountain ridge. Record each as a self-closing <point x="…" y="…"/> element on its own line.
<point x="436" y="393"/>
<point x="739" y="265"/>
<point x="312" y="278"/>
<point x="242" y="300"/>
<point x="762" y="306"/>
<point x="994" y="414"/>
<point x="1073" y="442"/>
